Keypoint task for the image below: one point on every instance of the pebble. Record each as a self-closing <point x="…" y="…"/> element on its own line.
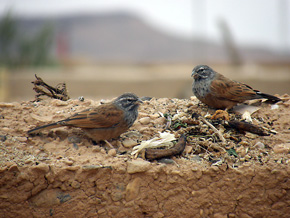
<point x="251" y="135"/>
<point x="166" y="161"/>
<point x="3" y="138"/>
<point x="57" y="102"/>
<point x="49" y="198"/>
<point x="41" y="167"/>
<point x="96" y="149"/>
<point x="68" y="162"/>
<point x="145" y="120"/>
<point x="160" y="121"/>
<point x="112" y="152"/>
<point x="6" y="129"/>
<point x="241" y="151"/>
<point x="21" y="139"/>
<point x="274" y="107"/>
<point x="137" y="166"/>
<point x="75" y="184"/>
<point x="282" y="148"/>
<point x="74" y="139"/>
<point x="117" y="196"/>
<point x="196" y="158"/>
<point x="260" y="145"/>
<point x="62" y="133"/>
<point x="129" y="143"/>
<point x="132" y="189"/>
<point x="188" y="149"/>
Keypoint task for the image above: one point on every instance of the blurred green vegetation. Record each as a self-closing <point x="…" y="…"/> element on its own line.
<point x="17" y="50"/>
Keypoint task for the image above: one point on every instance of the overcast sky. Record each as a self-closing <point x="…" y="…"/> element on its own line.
<point x="261" y="22"/>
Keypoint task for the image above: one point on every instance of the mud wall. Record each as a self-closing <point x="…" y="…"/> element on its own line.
<point x="138" y="188"/>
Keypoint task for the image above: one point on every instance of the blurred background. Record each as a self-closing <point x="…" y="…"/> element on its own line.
<point x="103" y="48"/>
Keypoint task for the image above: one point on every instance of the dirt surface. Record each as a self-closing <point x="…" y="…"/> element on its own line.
<point x="62" y="173"/>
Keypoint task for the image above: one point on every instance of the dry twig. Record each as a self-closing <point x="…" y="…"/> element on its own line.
<point x="221" y="137"/>
<point x="59" y="92"/>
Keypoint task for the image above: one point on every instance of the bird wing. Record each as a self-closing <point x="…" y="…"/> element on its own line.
<point x="225" y="88"/>
<point x="103" y="116"/>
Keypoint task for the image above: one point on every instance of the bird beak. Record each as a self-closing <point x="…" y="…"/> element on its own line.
<point x="139" y="101"/>
<point x="194" y="74"/>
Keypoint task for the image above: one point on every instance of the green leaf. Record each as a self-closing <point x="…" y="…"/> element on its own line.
<point x="233" y="152"/>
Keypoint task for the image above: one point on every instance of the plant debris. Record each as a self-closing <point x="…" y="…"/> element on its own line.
<point x="243" y="127"/>
<point x="178" y="148"/>
<point x="59" y="92"/>
<point x="164" y="140"/>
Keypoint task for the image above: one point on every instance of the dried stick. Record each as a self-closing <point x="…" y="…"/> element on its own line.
<point x="221" y="137"/>
<point x="58" y="92"/>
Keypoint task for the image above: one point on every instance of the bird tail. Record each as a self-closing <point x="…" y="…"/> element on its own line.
<point x="48" y="126"/>
<point x="270" y="98"/>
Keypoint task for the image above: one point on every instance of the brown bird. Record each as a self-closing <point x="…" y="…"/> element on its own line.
<point x="219" y="92"/>
<point x="104" y="122"/>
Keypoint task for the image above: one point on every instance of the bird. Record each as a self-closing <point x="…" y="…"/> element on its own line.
<point x="104" y="122"/>
<point x="220" y="92"/>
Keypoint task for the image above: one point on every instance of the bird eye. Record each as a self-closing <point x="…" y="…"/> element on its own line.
<point x="200" y="69"/>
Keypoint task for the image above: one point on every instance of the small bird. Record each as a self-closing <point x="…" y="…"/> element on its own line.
<point x="219" y="92"/>
<point x="104" y="122"/>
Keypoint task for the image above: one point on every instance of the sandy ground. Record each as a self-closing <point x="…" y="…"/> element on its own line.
<point x="62" y="173"/>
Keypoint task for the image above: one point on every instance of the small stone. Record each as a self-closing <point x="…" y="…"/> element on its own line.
<point x="62" y="133"/>
<point x="101" y="211"/>
<point x="251" y="135"/>
<point x="129" y="143"/>
<point x="41" y="167"/>
<point x="274" y="107"/>
<point x="160" y="121"/>
<point x="117" y="196"/>
<point x="196" y="158"/>
<point x="29" y="160"/>
<point x="241" y="151"/>
<point x="81" y="98"/>
<point x="137" y="166"/>
<point x="3" y="138"/>
<point x="72" y="168"/>
<point x="112" y="152"/>
<point x="132" y="189"/>
<point x="57" y="102"/>
<point x="282" y="148"/>
<point x="145" y="120"/>
<point x="188" y="149"/>
<point x="47" y="198"/>
<point x="75" y="184"/>
<point x="21" y="139"/>
<point x="96" y="149"/>
<point x="74" y="139"/>
<point x="260" y="145"/>
<point x="166" y="161"/>
<point x="244" y="143"/>
<point x="68" y="162"/>
<point x="6" y="129"/>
